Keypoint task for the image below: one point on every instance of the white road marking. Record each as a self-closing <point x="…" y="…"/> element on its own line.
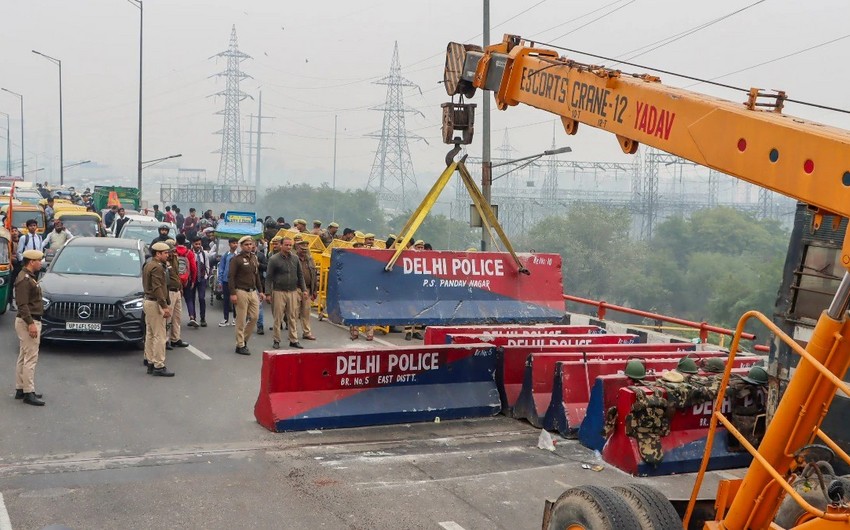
<point x="5" y="522"/>
<point x="199" y="353"/>
<point x="563" y="485"/>
<point x="382" y="341"/>
<point x="450" y="525"/>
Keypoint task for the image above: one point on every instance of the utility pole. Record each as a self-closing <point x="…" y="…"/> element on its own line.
<point x="486" y="162"/>
<point x="140" y="6"/>
<point x="250" y="146"/>
<point x="8" y="147"/>
<point x="61" y="129"/>
<point x="258" y="146"/>
<point x="333" y="200"/>
<point x="21" y="97"/>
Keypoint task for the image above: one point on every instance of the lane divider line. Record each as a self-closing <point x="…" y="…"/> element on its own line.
<point x="198" y="353"/>
<point x="5" y="522"/>
<point x="450" y="525"/>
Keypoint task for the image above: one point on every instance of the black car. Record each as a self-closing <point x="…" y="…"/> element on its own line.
<point x="93" y="291"/>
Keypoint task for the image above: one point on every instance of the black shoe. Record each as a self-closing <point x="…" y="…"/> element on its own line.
<point x="145" y="362"/>
<point x="417" y="335"/>
<point x="31" y="399"/>
<point x="162" y="372"/>
<point x="260" y="331"/>
<point x="168" y="345"/>
<point x="408" y="335"/>
<point x="243" y="350"/>
<point x="179" y="343"/>
<point x="276" y="344"/>
<point x="296" y="345"/>
<point x="150" y="368"/>
<point x="19" y="394"/>
<point x="203" y="323"/>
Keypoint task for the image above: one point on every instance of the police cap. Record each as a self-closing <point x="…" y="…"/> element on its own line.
<point x="370" y="235"/>
<point x="33" y="254"/>
<point x="635" y="369"/>
<point x="472" y="249"/>
<point x="333" y="225"/>
<point x="298" y="238"/>
<point x="159" y="246"/>
<point x="359" y="234"/>
<point x="299" y="222"/>
<point x="687" y="365"/>
<point x="171" y="243"/>
<point x="245" y="239"/>
<point x="316" y="222"/>
<point x="419" y="242"/>
<point x="757" y="376"/>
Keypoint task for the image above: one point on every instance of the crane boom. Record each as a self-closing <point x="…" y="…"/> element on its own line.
<point x="752" y="141"/>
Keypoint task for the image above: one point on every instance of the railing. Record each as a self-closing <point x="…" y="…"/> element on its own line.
<point x="718" y="417"/>
<point x="704" y="328"/>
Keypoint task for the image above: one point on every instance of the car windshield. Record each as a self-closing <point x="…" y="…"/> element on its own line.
<point x="104" y="261"/>
<point x="80" y="226"/>
<point x="145" y="232"/>
<point x="20" y="218"/>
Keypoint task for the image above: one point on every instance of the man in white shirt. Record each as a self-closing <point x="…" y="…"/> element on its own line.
<point x="29" y="240"/>
<point x="58" y="237"/>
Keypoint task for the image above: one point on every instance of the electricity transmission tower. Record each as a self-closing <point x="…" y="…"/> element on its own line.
<point x="392" y="177"/>
<point x="230" y="166"/>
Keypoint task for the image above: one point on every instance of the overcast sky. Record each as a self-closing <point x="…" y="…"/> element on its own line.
<point x="317" y="59"/>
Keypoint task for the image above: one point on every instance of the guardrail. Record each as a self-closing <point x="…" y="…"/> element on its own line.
<point x="704" y="328"/>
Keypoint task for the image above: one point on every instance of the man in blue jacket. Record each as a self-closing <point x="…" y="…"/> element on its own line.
<point x="223" y="267"/>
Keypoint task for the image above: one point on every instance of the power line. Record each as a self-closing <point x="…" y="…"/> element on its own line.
<point x="673" y="38"/>
<point x="576" y="18"/>
<point x="600" y="17"/>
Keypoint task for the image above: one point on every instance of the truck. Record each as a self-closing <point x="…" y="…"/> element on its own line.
<point x="751" y="140"/>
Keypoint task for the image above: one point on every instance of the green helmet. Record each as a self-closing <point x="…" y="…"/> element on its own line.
<point x="635" y="369"/>
<point x="715" y="365"/>
<point x="687" y="365"/>
<point x="757" y="376"/>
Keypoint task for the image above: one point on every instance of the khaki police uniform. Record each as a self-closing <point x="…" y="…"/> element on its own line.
<point x="30" y="310"/>
<point x="285" y="282"/>
<point x="155" y="283"/>
<point x="311" y="279"/>
<point x="175" y="298"/>
<point x="244" y="281"/>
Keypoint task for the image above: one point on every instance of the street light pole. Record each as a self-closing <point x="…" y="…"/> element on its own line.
<point x="61" y="129"/>
<point x="21" y="97"/>
<point x="486" y="163"/>
<point x="8" y="147"/>
<point x="138" y="4"/>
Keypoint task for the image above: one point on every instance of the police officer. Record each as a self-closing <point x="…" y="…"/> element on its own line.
<point x="28" y="326"/>
<point x="246" y="292"/>
<point x="311" y="279"/>
<point x="329" y="235"/>
<point x="157" y="309"/>
<point x="285" y="288"/>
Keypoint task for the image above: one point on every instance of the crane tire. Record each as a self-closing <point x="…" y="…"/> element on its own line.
<point x="591" y="508"/>
<point x="654" y="511"/>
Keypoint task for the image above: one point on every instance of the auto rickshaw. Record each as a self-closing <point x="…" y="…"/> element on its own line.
<point x="80" y="222"/>
<point x="22" y="212"/>
<point x="5" y="268"/>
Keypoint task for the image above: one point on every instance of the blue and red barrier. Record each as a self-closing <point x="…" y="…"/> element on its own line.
<point x="449" y="288"/>
<point x="325" y="389"/>
<point x="510" y="371"/>
<point x="541" y="378"/>
<point x="571" y="388"/>
<point x="438" y="334"/>
<point x="683" y="447"/>
<point x="545" y="339"/>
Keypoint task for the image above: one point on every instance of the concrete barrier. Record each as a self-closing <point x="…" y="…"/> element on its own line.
<point x="541" y="379"/>
<point x="683" y="448"/>
<point x="510" y="370"/>
<point x="443" y="288"/>
<point x="603" y="395"/>
<point x="324" y="389"/>
<point x="438" y="334"/>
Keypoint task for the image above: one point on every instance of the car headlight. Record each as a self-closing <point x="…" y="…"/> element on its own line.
<point x="46" y="302"/>
<point x="134" y="304"/>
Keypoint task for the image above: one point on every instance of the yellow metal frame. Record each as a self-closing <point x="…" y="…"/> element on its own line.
<point x="488" y="218"/>
<point x="788" y="429"/>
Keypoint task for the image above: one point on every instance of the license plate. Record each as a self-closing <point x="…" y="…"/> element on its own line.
<point x="83" y="326"/>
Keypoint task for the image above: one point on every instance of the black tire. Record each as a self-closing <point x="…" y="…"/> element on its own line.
<point x="789" y="512"/>
<point x="653" y="510"/>
<point x="591" y="508"/>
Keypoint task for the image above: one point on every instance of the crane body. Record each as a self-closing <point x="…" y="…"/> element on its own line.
<point x="753" y="141"/>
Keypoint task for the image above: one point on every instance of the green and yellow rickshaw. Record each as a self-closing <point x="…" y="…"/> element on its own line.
<point x="5" y="268"/>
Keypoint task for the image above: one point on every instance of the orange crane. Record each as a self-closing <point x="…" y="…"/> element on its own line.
<point x="753" y="141"/>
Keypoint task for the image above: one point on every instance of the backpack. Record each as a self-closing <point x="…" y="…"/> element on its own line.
<point x="183" y="269"/>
